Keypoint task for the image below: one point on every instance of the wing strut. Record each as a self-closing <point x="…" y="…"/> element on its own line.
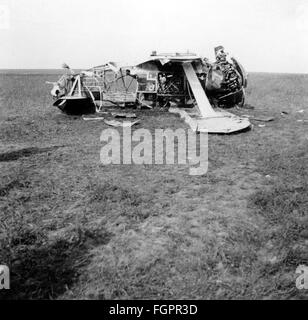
<point x="203" y="103"/>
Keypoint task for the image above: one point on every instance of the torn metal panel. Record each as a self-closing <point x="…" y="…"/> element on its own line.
<point x="221" y="122"/>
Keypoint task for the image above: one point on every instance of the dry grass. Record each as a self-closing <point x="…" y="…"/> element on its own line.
<point x="72" y="228"/>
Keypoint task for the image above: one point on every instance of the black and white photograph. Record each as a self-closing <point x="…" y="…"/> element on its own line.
<point x="153" y="151"/>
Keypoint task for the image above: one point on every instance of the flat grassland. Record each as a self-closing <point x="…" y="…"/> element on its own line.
<point x="72" y="228"/>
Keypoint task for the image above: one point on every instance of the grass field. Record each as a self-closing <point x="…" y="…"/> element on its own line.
<point x="74" y="229"/>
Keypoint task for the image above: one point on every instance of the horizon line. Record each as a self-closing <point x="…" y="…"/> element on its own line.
<point x="275" y="72"/>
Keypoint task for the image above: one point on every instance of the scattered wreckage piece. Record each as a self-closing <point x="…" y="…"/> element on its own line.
<point x="268" y="119"/>
<point x="124" y="124"/>
<point x="98" y="116"/>
<point x="93" y="118"/>
<point x="124" y="115"/>
<point x="259" y="119"/>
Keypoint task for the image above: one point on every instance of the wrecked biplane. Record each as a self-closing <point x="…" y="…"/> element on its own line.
<point x="163" y="80"/>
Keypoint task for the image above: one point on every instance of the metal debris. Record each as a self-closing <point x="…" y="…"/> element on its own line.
<point x="124" y="115"/>
<point x="124" y="124"/>
<point x="269" y="119"/>
<point x="92" y="118"/>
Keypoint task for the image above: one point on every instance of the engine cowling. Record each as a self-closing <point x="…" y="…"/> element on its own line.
<point x="225" y="83"/>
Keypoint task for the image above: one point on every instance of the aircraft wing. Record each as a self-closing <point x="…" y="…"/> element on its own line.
<point x="203" y="103"/>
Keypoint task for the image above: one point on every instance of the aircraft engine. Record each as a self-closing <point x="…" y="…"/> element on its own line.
<point x="226" y="81"/>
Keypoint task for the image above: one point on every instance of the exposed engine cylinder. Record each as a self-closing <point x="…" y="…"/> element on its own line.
<point x="224" y="83"/>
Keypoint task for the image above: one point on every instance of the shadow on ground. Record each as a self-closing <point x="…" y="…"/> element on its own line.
<point x="41" y="269"/>
<point x="26" y="152"/>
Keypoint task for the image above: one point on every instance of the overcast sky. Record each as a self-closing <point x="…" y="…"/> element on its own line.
<point x="265" y="35"/>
